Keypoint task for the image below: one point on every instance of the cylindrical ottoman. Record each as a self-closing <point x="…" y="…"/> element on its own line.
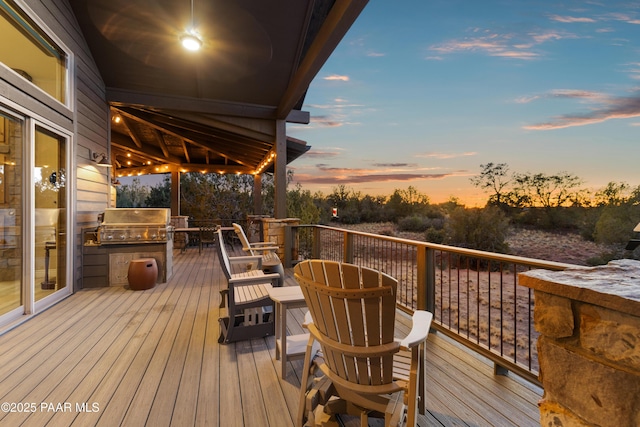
<point x="143" y="274"/>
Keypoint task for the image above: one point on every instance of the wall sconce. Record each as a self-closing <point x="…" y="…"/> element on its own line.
<point x="103" y="159"/>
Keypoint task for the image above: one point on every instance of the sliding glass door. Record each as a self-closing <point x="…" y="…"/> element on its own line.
<point x="50" y="201"/>
<point x="12" y="138"/>
<point x="33" y="215"/>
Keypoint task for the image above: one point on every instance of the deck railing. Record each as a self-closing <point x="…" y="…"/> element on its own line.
<point x="474" y="295"/>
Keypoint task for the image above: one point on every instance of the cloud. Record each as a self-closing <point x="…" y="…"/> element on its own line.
<point x="365" y="178"/>
<point x="634" y="70"/>
<point x="571" y="19"/>
<point x="610" y="108"/>
<point x="443" y="156"/>
<point x="395" y="165"/>
<point x="340" y="112"/>
<point x="337" y="77"/>
<point x="326" y="121"/>
<point x="573" y="93"/>
<point x="326" y="153"/>
<point x="376" y="54"/>
<point x="505" y="45"/>
<point x="547" y="36"/>
<point x="624" y="18"/>
<point x="325" y="173"/>
<point x="564" y="93"/>
<point x="526" y="99"/>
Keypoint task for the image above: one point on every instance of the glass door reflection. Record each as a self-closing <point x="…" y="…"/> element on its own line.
<point x="11" y="216"/>
<point x="50" y="212"/>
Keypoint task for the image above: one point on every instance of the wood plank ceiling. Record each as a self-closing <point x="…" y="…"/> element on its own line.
<point x="214" y="110"/>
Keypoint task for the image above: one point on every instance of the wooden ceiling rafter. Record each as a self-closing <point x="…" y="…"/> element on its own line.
<point x="186" y="152"/>
<point x="123" y="143"/>
<point x="161" y="143"/>
<point x="126" y="122"/>
<point x="180" y="126"/>
<point x="255" y="129"/>
<point x="150" y="120"/>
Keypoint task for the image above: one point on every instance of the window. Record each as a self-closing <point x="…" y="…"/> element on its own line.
<point x="28" y="51"/>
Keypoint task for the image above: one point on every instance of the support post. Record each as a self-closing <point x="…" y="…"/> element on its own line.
<point x="280" y="168"/>
<point x="175" y="193"/>
<point x="257" y="194"/>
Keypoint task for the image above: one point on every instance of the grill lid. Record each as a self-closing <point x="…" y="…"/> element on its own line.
<point x="122" y="217"/>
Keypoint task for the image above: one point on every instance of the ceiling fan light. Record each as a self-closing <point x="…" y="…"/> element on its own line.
<point x="191" y="41"/>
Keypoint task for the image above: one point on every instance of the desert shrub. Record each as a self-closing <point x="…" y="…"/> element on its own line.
<point x="413" y="223"/>
<point x="435" y="235"/>
<point x="349" y="215"/>
<point x="587" y="225"/>
<point x="300" y="204"/>
<point x="420" y="223"/>
<point x="478" y="228"/>
<point x="616" y="223"/>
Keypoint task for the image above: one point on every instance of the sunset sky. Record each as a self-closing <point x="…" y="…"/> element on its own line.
<point x="421" y="93"/>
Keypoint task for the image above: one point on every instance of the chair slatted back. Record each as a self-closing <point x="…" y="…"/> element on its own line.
<point x="222" y="254"/>
<point x="353" y="311"/>
<point x="246" y="246"/>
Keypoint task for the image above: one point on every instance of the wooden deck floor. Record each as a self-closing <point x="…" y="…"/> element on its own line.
<point x="112" y="356"/>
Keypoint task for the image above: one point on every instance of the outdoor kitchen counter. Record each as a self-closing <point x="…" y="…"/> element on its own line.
<point x="108" y="265"/>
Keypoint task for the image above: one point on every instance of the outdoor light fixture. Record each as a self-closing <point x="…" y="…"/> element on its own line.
<point x="103" y="159"/>
<point x="191" y="39"/>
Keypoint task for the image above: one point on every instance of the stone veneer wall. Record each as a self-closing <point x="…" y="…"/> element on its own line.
<point x="180" y="240"/>
<point x="274" y="231"/>
<point x="589" y="348"/>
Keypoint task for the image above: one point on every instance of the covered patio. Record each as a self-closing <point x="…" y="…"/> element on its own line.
<point x="112" y="356"/>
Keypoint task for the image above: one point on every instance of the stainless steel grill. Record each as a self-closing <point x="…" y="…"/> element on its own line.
<point x="135" y="225"/>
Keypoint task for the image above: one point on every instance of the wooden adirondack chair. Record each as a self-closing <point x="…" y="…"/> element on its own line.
<point x="353" y="318"/>
<point x="270" y="261"/>
<point x="250" y="310"/>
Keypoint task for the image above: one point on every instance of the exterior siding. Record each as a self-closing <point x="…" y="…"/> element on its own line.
<point x="88" y="118"/>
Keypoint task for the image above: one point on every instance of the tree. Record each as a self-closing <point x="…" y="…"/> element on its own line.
<point x="615" y="193"/>
<point x="618" y="219"/>
<point x="546" y="196"/>
<point x="404" y="203"/>
<point x="160" y="194"/>
<point x="494" y="178"/>
<point x="548" y="191"/>
<point x="213" y="196"/>
<point x="132" y="196"/>
<point x="300" y="204"/>
<point x="484" y="229"/>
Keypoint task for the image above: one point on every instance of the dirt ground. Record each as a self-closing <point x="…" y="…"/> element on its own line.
<point x="559" y="247"/>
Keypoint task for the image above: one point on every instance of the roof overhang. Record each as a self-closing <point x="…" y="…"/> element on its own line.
<point x="213" y="110"/>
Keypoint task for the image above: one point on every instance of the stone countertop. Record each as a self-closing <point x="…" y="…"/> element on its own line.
<point x="615" y="285"/>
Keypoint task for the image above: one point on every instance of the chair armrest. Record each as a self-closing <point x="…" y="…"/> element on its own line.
<point x="307" y="320"/>
<point x="255" y="280"/>
<point x="265" y="249"/>
<point x="419" y="330"/>
<point x="247" y="259"/>
<point x="262" y="244"/>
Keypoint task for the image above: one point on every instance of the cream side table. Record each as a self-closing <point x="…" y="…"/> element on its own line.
<point x="293" y="346"/>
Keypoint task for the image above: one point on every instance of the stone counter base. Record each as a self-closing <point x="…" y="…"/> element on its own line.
<point x="589" y="344"/>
